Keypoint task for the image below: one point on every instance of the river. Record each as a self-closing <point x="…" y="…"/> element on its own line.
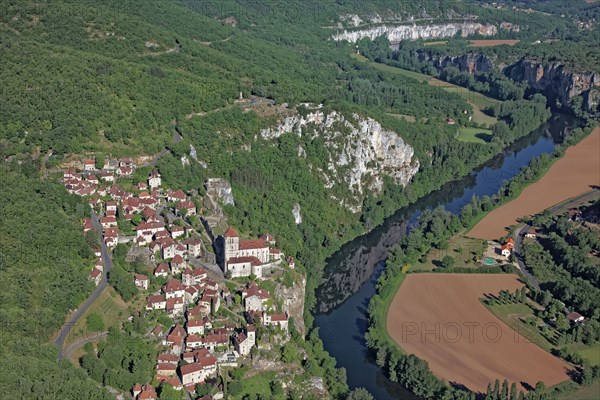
<point x="351" y="273"/>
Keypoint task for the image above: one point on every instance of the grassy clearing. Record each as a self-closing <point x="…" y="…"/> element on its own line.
<point x="474" y="135"/>
<point x="258" y="384"/>
<point x="441" y="42"/>
<point x="591" y="353"/>
<point x="591" y="392"/>
<point x="477" y="100"/>
<point x="387" y="295"/>
<point x="109" y="305"/>
<point x="512" y="315"/>
<point x="407" y="118"/>
<point x="465" y="251"/>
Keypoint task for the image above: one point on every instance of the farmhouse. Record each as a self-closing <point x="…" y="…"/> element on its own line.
<point x="575" y="318"/>
<point x="531" y="233"/>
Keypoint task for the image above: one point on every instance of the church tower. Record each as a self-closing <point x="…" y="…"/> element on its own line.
<point x="231" y="246"/>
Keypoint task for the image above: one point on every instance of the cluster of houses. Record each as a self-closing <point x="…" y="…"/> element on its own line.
<point x="189" y="294"/>
<point x="200" y="344"/>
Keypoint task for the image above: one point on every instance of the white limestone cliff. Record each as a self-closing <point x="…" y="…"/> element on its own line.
<point x="396" y="33"/>
<point x="360" y="152"/>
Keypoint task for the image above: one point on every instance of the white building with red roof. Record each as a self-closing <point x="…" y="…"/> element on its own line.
<point x="161" y="270"/>
<point x="255" y="298"/>
<point x="89" y="165"/>
<point x="154" y="179"/>
<point x="197" y="372"/>
<point x="156" y="302"/>
<point x="244" y="257"/>
<point x="95" y="276"/>
<point x="141" y="281"/>
<point x="174" y="288"/>
<point x="176" y="195"/>
<point x="280" y="320"/>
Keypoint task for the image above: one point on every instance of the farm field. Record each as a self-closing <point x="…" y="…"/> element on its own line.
<point x="570" y="176"/>
<point x="492" y="42"/>
<point x="474" y="135"/>
<point x="439" y="318"/>
<point x="477" y="100"/>
<point x="435" y="43"/>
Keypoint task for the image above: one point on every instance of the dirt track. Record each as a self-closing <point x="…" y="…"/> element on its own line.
<point x="439" y="318"/>
<point x="570" y="176"/>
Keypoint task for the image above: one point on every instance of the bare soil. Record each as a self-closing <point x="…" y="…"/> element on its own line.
<point x="439" y="318"/>
<point x="572" y="175"/>
<point x="489" y="43"/>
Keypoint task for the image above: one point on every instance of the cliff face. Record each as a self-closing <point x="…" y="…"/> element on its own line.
<point x="360" y="152"/>
<point x="293" y="301"/>
<point x="558" y="83"/>
<point x="471" y="63"/>
<point x="396" y="33"/>
<point x="552" y="79"/>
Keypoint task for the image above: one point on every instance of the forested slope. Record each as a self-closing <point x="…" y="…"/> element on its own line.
<point x="44" y="264"/>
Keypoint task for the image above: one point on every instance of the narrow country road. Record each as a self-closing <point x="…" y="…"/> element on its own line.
<point x="522" y="230"/>
<point x="76" y="345"/>
<point x="65" y="330"/>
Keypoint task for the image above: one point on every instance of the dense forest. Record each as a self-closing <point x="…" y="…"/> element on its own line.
<point x="44" y="263"/>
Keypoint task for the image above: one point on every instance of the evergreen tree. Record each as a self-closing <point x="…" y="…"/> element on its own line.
<point x="497" y="389"/>
<point x="504" y="393"/>
<point x="513" y="391"/>
<point x="488" y="392"/>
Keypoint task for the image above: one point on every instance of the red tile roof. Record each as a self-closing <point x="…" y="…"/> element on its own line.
<point x="230" y="232"/>
<point x="249" y="259"/>
<point x="253" y="244"/>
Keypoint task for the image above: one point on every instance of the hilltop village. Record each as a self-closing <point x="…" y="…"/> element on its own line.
<point x="216" y="288"/>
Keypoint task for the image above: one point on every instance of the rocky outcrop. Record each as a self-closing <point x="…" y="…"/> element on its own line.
<point x="292" y="299"/>
<point x="396" y="33"/>
<point x="219" y="189"/>
<point x="557" y="82"/>
<point x="470" y="62"/>
<point x="554" y="80"/>
<point x="360" y="152"/>
<point x="296" y="214"/>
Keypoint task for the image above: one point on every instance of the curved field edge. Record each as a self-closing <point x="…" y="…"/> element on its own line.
<point x="515" y="192"/>
<point x="527" y="199"/>
<point x="429" y="303"/>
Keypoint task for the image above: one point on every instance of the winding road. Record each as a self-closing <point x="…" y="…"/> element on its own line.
<point x="66" y="329"/>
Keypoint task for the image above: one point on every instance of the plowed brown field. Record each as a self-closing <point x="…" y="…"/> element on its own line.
<point x="439" y="318"/>
<point x="493" y="42"/>
<point x="570" y="176"/>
